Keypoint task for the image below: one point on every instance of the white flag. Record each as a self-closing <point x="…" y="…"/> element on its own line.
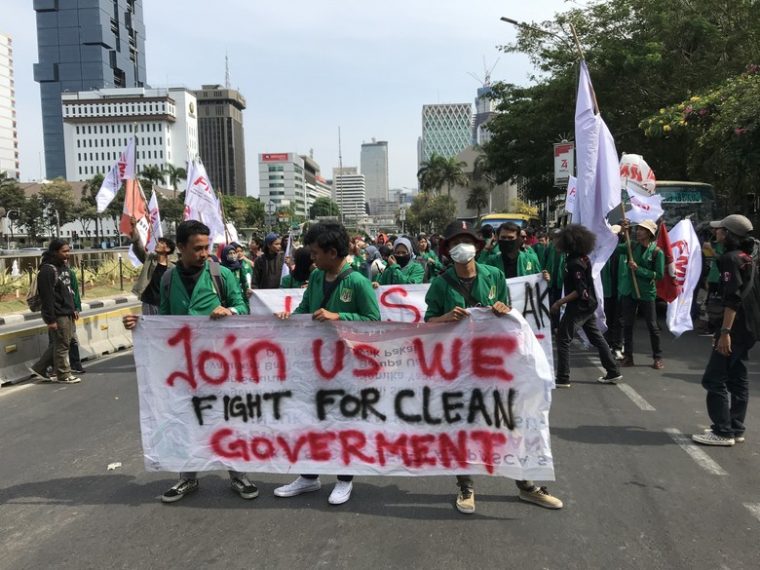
<point x="644" y="207"/>
<point x="156" y="231"/>
<point x="126" y="162"/>
<point x="687" y="254"/>
<point x="108" y="189"/>
<point x="598" y="183"/>
<point x="288" y="253"/>
<point x="571" y="198"/>
<point x="201" y="202"/>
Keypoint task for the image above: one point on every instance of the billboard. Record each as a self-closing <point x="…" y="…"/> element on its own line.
<point x="274" y="157"/>
<point x="564" y="162"/>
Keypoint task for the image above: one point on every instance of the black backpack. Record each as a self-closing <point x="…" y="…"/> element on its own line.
<point x="750" y="295"/>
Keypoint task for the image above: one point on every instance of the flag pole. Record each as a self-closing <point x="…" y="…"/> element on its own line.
<point x="627" y="233"/>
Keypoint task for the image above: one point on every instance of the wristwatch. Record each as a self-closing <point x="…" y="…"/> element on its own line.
<point x="725" y="331"/>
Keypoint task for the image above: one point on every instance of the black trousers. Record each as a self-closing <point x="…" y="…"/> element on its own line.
<point x="727" y="385"/>
<point x="571" y="321"/>
<point x="614" y="316"/>
<point x="340" y="477"/>
<point x="648" y="309"/>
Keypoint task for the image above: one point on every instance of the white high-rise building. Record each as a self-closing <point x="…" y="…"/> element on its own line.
<point x="97" y="125"/>
<point x="8" y="135"/>
<point x="349" y="192"/>
<point x="374" y="167"/>
<point x="289" y="179"/>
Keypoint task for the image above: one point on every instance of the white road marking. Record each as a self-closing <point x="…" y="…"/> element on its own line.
<point x="699" y="456"/>
<point x="635" y="397"/>
<point x="754" y="508"/>
<point x="14" y="389"/>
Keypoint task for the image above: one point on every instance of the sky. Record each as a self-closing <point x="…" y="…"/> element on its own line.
<point x="306" y="68"/>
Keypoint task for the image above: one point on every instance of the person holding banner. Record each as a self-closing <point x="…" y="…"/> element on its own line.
<point x="402" y="269"/>
<point x="336" y="292"/>
<point x="299" y="277"/>
<point x="580" y="299"/>
<point x="148" y="284"/>
<point x="648" y="265"/>
<point x="193" y="287"/>
<point x="471" y="284"/>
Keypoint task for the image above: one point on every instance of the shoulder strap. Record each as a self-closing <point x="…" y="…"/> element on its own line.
<point x="341" y="277"/>
<point x="166" y="280"/>
<point x="468" y="297"/>
<point x="216" y="279"/>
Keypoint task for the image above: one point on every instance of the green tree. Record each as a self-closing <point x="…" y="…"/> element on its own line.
<point x="175" y="174"/>
<point x="430" y="173"/>
<point x="153" y="174"/>
<point x="171" y="209"/>
<point x="430" y="213"/>
<point x="12" y="199"/>
<point x="452" y="174"/>
<point x="58" y="203"/>
<point x="323" y="206"/>
<point x="478" y="198"/>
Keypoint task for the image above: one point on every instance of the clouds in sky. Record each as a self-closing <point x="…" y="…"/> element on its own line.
<point x="306" y="67"/>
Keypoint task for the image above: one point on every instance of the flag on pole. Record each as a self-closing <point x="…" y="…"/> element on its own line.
<point x="667" y="287"/>
<point x="126" y="163"/>
<point x="644" y="207"/>
<point x="288" y="254"/>
<point x="598" y="185"/>
<point x="201" y="202"/>
<point x="637" y="176"/>
<point x="687" y="256"/>
<point x="108" y="189"/>
<point x="571" y="198"/>
<point x="134" y="207"/>
<point x="154" y="217"/>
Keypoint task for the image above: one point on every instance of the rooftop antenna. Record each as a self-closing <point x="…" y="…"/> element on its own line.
<point x="226" y="71"/>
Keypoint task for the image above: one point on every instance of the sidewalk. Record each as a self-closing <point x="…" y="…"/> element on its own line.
<point x="110" y="301"/>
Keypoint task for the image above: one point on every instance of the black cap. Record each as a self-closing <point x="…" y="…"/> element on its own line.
<point x="455" y="229"/>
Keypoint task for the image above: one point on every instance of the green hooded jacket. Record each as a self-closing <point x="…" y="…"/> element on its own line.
<point x="489" y="287"/>
<point x="353" y="299"/>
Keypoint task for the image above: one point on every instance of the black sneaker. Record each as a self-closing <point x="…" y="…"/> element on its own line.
<point x="243" y="487"/>
<point x="610" y="378"/>
<point x="182" y="488"/>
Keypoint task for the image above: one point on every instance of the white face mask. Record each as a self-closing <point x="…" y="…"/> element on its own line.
<point x="463" y="253"/>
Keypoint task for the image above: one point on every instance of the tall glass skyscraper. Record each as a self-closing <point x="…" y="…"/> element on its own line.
<point x="84" y="45"/>
<point x="374" y="166"/>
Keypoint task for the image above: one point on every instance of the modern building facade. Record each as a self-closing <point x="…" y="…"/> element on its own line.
<point x="9" y="163"/>
<point x="446" y="130"/>
<point x="221" y="139"/>
<point x="84" y="45"/>
<point x="484" y="112"/>
<point x="97" y="126"/>
<point x="288" y="179"/>
<point x="349" y="191"/>
<point x="374" y="167"/>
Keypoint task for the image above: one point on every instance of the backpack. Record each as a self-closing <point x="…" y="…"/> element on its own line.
<point x="750" y="296"/>
<point x="33" y="299"/>
<point x="216" y="279"/>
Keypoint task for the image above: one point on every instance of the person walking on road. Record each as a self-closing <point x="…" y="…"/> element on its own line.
<point x="580" y="299"/>
<point x="58" y="312"/>
<point x="648" y="266"/>
<point x="725" y="378"/>
<point x="198" y="286"/>
<point x="468" y="284"/>
<point x="336" y="292"/>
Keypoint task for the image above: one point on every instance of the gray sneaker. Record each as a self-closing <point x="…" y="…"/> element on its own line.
<point x="712" y="438"/>
<point x="737" y="438"/>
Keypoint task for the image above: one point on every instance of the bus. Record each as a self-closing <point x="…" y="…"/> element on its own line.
<point x="495" y="220"/>
<point x="681" y="200"/>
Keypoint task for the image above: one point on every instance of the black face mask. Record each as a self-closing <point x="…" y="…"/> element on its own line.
<point x="509" y="246"/>
<point x="402" y="260"/>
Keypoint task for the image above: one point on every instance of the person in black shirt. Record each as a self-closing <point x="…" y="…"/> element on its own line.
<point x="148" y="284"/>
<point x="578" y="242"/>
<point x="725" y="378"/>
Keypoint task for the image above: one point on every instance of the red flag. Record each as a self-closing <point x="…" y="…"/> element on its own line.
<point x="668" y="288"/>
<point x="134" y="206"/>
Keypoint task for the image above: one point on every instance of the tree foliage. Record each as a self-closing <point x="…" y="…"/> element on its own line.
<point x="439" y="171"/>
<point x="323" y="206"/>
<point x="430" y="213"/>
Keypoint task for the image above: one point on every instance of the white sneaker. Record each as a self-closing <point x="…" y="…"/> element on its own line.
<point x="618" y="354"/>
<point x="297" y="487"/>
<point x="711" y="438"/>
<point x="610" y="378"/>
<point x="341" y="493"/>
<point x="737" y="438"/>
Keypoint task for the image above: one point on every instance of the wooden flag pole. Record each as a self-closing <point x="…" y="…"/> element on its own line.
<point x="630" y="249"/>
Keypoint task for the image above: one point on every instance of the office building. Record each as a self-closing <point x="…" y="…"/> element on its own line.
<point x="484" y="112"/>
<point x="349" y="191"/>
<point x="220" y="136"/>
<point x="446" y="130"/>
<point x="83" y="46"/>
<point x="288" y="179"/>
<point x="97" y="125"/>
<point x="8" y="135"/>
<point x="374" y="167"/>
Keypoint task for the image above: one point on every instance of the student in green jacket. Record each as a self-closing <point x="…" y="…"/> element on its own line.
<point x="191" y="291"/>
<point x="509" y="255"/>
<point x="246" y="268"/>
<point x="231" y="260"/>
<point x="446" y="303"/>
<point x="335" y="292"/>
<point x="648" y="264"/>
<point x="555" y="267"/>
<point x="428" y="258"/>
<point x="299" y="277"/>
<point x="401" y="269"/>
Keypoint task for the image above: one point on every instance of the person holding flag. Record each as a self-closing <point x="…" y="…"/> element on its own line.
<point x="647" y="266"/>
<point x="154" y="265"/>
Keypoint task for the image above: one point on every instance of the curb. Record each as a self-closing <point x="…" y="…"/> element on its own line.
<point x="16" y="318"/>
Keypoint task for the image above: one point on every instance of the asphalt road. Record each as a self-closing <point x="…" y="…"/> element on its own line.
<point x="633" y="497"/>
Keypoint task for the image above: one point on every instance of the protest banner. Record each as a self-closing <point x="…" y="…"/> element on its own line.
<point x="406" y="303"/>
<point x="362" y="398"/>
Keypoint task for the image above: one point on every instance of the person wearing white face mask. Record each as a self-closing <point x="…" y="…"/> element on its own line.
<point x="471" y="284"/>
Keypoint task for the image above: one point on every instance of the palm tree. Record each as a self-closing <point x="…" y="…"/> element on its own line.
<point x="429" y="173"/>
<point x="153" y="174"/>
<point x="175" y="175"/>
<point x="478" y="198"/>
<point x="452" y="173"/>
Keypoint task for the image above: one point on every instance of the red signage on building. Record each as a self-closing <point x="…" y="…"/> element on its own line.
<point x="274" y="157"/>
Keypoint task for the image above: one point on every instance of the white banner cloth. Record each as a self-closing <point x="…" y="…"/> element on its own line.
<point x="687" y="256"/>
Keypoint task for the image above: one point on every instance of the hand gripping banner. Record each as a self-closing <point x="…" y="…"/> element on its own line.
<point x="377" y="398"/>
